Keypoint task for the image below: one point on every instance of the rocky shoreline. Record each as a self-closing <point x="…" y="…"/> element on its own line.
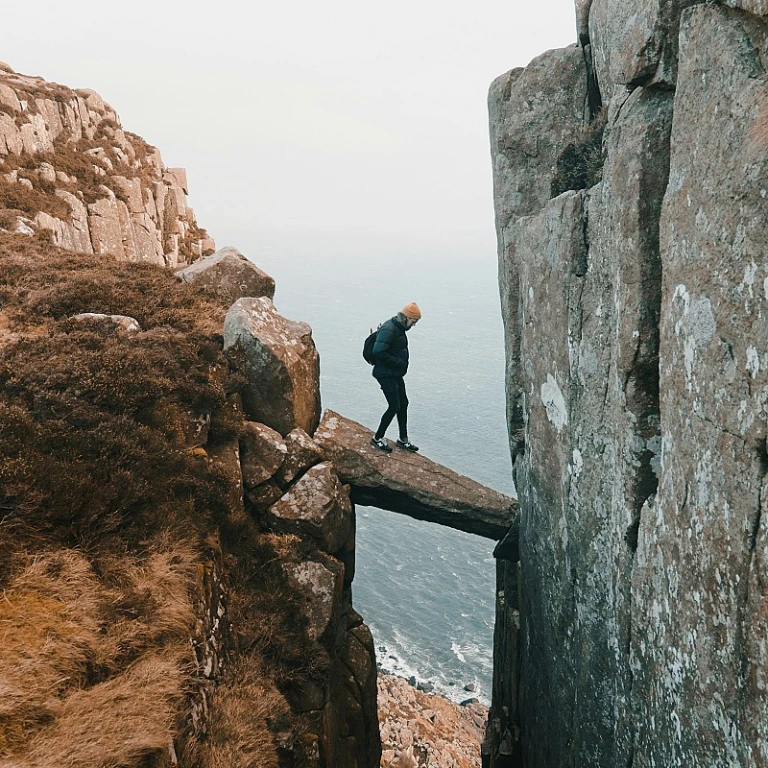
<point x="425" y="730"/>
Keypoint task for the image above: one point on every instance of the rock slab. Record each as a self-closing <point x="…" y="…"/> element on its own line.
<point x="412" y="484"/>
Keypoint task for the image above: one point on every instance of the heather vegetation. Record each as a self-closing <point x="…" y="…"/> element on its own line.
<point x="109" y="508"/>
<point x="580" y="165"/>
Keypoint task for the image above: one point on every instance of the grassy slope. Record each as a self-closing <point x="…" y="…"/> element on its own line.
<point x="105" y="517"/>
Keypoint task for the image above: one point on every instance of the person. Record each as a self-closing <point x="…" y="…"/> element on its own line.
<point x="390" y="353"/>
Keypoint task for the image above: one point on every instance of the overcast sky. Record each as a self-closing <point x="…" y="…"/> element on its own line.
<point x="333" y="117"/>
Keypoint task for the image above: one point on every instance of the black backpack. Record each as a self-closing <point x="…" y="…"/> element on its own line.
<point x="368" y="347"/>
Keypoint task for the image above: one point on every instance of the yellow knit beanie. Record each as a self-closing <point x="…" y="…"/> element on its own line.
<point x="411" y="311"/>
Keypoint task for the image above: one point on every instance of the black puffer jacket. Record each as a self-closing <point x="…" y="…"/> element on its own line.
<point x="390" y="350"/>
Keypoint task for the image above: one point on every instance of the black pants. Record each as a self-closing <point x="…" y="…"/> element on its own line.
<point x="397" y="402"/>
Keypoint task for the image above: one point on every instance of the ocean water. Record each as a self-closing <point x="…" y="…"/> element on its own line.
<point x="427" y="592"/>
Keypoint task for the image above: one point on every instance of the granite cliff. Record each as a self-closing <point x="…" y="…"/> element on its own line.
<point x="632" y="216"/>
<point x="67" y="167"/>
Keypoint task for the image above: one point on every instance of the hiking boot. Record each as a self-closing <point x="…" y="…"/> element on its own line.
<point x="407" y="445"/>
<point x="381" y="444"/>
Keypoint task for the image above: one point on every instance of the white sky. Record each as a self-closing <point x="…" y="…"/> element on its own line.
<point x="331" y="117"/>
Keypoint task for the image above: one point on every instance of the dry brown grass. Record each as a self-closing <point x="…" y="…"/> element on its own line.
<point x="29" y="202"/>
<point x="121" y="722"/>
<point x="93" y="665"/>
<point x="244" y="712"/>
<point x="104" y="517"/>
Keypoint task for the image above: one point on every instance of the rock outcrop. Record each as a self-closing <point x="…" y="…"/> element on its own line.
<point x="67" y="167"/>
<point x="229" y="276"/>
<point x="411" y="484"/>
<point x="281" y="364"/>
<point x="633" y="631"/>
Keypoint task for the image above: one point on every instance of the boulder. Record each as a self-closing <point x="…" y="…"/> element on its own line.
<point x="318" y="587"/>
<point x="115" y="323"/>
<point x="281" y="363"/>
<point x="410" y="483"/>
<point x="301" y="454"/>
<point x="229" y="276"/>
<point x="317" y="506"/>
<point x="262" y="452"/>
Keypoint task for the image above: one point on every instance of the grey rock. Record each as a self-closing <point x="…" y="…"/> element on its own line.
<point x="701" y="546"/>
<point x="301" y="454"/>
<point x="636" y="388"/>
<point x="634" y="42"/>
<point x="281" y="363"/>
<point x="229" y="275"/>
<point x="117" y="323"/>
<point x="320" y="589"/>
<point x="262" y="452"/>
<point x="317" y="506"/>
<point x="410" y="483"/>
<point x="264" y="496"/>
<point x="534" y="113"/>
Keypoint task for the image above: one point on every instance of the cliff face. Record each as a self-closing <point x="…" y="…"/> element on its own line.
<point x="68" y="167"/>
<point x="635" y="309"/>
<point x="176" y="558"/>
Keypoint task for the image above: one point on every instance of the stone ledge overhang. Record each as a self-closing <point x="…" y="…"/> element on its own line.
<point x="412" y="484"/>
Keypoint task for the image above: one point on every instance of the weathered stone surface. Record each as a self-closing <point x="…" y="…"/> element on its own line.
<point x="359" y="662"/>
<point x="262" y="451"/>
<point x="317" y="506"/>
<point x="224" y="462"/>
<point x="635" y="43"/>
<point x="534" y="113"/>
<point x="320" y="589"/>
<point x="265" y="495"/>
<point x="301" y="454"/>
<point x="582" y="20"/>
<point x="229" y="275"/>
<point x="282" y="365"/>
<point x="698" y="588"/>
<point x="51" y="119"/>
<point x="758" y="7"/>
<point x="638" y="411"/>
<point x="117" y="322"/>
<point x="581" y="285"/>
<point x="412" y="484"/>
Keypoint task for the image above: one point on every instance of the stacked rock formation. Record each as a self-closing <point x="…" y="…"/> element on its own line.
<point x="67" y="167"/>
<point x="635" y="308"/>
<point x="277" y="477"/>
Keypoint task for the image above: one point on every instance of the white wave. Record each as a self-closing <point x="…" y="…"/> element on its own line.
<point x="456" y="648"/>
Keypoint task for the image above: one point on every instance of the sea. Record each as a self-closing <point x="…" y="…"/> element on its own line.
<point x="427" y="592"/>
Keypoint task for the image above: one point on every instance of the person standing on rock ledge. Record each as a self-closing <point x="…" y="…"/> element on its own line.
<point x="390" y="353"/>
